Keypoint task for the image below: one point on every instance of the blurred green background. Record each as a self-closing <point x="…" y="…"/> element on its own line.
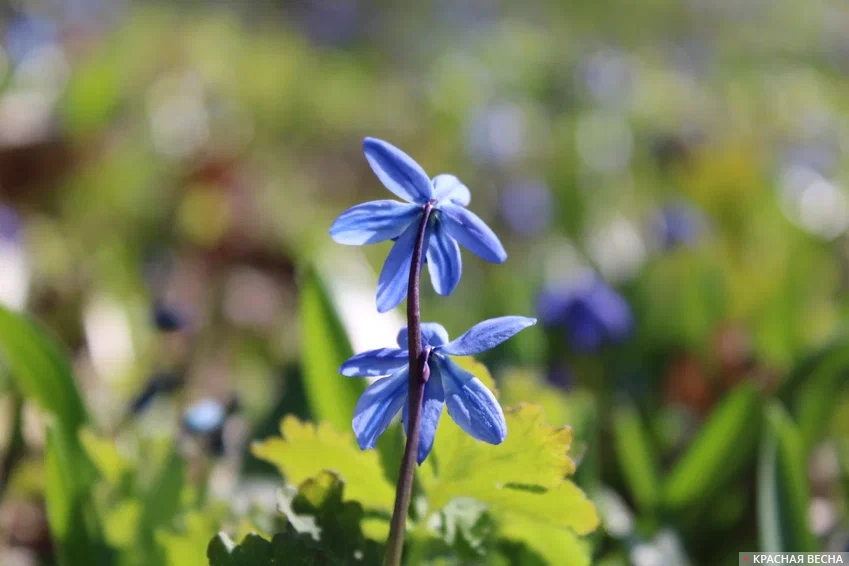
<point x="169" y="171"/>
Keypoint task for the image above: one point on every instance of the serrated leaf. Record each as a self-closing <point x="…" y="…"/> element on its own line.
<point x="305" y="450"/>
<point x="783" y="491"/>
<point x="337" y="541"/>
<point x="324" y="347"/>
<point x="219" y="550"/>
<point x="637" y="460"/>
<point x="532" y="454"/>
<point x="522" y="481"/>
<point x="340" y="536"/>
<point x="724" y="445"/>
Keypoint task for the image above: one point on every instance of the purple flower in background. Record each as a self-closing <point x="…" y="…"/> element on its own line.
<point x="678" y="224"/>
<point x="10" y="224"/>
<point x="450" y="224"/>
<point x="472" y="406"/>
<point x="588" y="310"/>
<point x="527" y="207"/>
<point x="168" y="318"/>
<point x="26" y="33"/>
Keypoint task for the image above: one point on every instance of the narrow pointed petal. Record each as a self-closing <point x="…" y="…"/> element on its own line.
<point x="395" y="275"/>
<point x="472" y="232"/>
<point x="432" y="404"/>
<point x="374" y="363"/>
<point x="433" y="334"/>
<point x="472" y="406"/>
<point x="398" y="171"/>
<point x="434" y="400"/>
<point x="443" y="261"/>
<point x="377" y="406"/>
<point x="449" y="188"/>
<point x="373" y="222"/>
<point x="487" y="335"/>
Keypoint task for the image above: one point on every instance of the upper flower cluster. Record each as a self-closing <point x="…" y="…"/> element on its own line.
<point x="449" y="224"/>
<point x="472" y="406"/>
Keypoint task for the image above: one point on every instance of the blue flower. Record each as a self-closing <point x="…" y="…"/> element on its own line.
<point x="450" y="224"/>
<point x="678" y="224"/>
<point x="472" y="406"/>
<point x="589" y="310"/>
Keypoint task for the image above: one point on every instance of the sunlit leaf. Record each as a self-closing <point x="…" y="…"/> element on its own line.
<point x="522" y="481"/>
<point x="188" y="546"/>
<point x="555" y="545"/>
<point x="305" y="450"/>
<point x="783" y="492"/>
<point x="532" y="454"/>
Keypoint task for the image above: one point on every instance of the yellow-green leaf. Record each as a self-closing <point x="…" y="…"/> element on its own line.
<point x="305" y="450"/>
<point x="522" y="481"/>
<point x="533" y="453"/>
<point x="105" y="455"/>
<point x="553" y="544"/>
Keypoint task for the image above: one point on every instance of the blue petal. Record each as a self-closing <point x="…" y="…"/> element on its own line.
<point x="374" y="363"/>
<point x="472" y="406"/>
<point x="472" y="233"/>
<point x="487" y="335"/>
<point x="395" y="275"/>
<point x="434" y="400"/>
<point x="433" y="334"/>
<point x="373" y="222"/>
<point x="443" y="260"/>
<point x="398" y="171"/>
<point x="378" y="405"/>
<point x="449" y="188"/>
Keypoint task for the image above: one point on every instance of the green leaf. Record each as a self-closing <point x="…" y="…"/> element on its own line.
<point x="553" y="544"/>
<point x="324" y="347"/>
<point x="521" y="481"/>
<point x="817" y="396"/>
<point x="103" y="452"/>
<point x="723" y="446"/>
<point x="39" y="369"/>
<point x="42" y="374"/>
<point x="783" y="491"/>
<point x="465" y="526"/>
<point x="187" y="547"/>
<point x="340" y="536"/>
<point x="637" y="460"/>
<point x="338" y="539"/>
<point x="305" y="450"/>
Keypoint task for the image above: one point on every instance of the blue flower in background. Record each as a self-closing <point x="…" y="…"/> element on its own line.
<point x="10" y="224"/>
<point x="678" y="224"/>
<point x="26" y="33"/>
<point x="450" y="224"/>
<point x="208" y="415"/>
<point x="167" y="318"/>
<point x="589" y="310"/>
<point x="472" y="406"/>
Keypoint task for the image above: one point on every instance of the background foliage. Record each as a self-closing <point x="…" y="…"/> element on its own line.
<point x="174" y="310"/>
